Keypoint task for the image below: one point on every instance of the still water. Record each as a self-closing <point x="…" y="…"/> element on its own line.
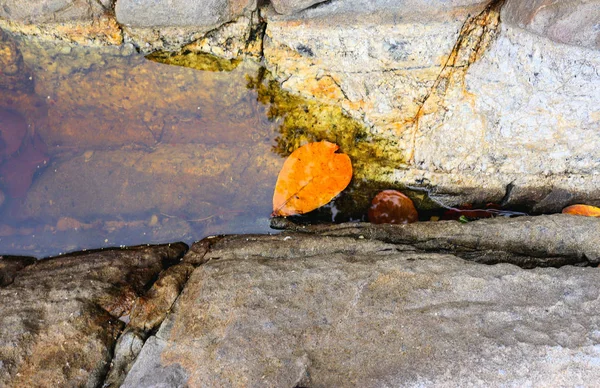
<point x="102" y="147"/>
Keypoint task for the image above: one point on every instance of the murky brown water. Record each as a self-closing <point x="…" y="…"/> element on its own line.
<point x="102" y="147"/>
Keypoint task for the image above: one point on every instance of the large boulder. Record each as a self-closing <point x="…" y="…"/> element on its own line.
<point x="300" y="310"/>
<point x="469" y="94"/>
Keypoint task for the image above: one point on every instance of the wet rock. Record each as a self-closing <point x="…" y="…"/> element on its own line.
<point x="553" y="240"/>
<point x="14" y="75"/>
<point x="146" y="315"/>
<point x="12" y="131"/>
<point x="287" y="7"/>
<point x="148" y="102"/>
<point x="298" y="310"/>
<point x="195" y="182"/>
<point x="180" y="13"/>
<point x="16" y="173"/>
<point x="84" y="22"/>
<point x="60" y="316"/>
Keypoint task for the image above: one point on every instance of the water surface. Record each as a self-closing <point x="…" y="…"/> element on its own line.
<point x="101" y="147"/>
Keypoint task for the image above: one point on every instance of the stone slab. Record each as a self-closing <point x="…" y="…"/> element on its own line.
<point x="360" y="313"/>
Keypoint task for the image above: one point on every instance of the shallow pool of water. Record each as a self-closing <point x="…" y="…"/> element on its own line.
<point x="102" y="147"/>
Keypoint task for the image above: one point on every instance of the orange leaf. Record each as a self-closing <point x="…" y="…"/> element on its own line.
<point x="310" y="177"/>
<point x="582" y="210"/>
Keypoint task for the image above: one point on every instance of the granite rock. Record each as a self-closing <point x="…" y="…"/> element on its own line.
<point x="330" y="311"/>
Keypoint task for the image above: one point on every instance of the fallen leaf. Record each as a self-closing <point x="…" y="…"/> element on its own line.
<point x="582" y="210"/>
<point x="310" y="177"/>
<point x="392" y="207"/>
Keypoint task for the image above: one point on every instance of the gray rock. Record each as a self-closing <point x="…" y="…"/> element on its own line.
<point x="529" y="242"/>
<point x="287" y="7"/>
<point x="59" y="317"/>
<point x="53" y="11"/>
<point x="574" y="22"/>
<point x="181" y="13"/>
<point x="471" y="101"/>
<point x="362" y="313"/>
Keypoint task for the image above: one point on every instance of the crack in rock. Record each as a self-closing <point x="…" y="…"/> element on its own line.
<point x="476" y="35"/>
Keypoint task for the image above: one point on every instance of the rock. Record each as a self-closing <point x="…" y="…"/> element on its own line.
<point x="14" y="75"/>
<point x="424" y="76"/>
<point x="301" y="310"/>
<point x="10" y="266"/>
<point x="574" y="23"/>
<point x="13" y="128"/>
<point x="59" y="317"/>
<point x="180" y="13"/>
<point x="148" y="102"/>
<point x="147" y="314"/>
<point x="85" y="22"/>
<point x="52" y="11"/>
<point x="287" y="7"/>
<point x="177" y="180"/>
<point x="553" y="240"/>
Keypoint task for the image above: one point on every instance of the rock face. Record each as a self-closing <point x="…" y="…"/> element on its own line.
<point x="180" y="13"/>
<point x="53" y="11"/>
<point x="287" y="7"/>
<point x="300" y="310"/>
<point x="59" y="318"/>
<point x="574" y="23"/>
<point x="470" y="94"/>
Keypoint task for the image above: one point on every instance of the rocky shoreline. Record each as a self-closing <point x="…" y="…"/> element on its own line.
<point x="343" y="305"/>
<point x="467" y="101"/>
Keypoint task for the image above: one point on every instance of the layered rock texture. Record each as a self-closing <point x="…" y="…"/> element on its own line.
<point x="345" y="305"/>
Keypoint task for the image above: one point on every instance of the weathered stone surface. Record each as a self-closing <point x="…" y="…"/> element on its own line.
<point x="86" y="22"/>
<point x="146" y="314"/>
<point x="13" y="72"/>
<point x="553" y="240"/>
<point x="287" y="7"/>
<point x="10" y="266"/>
<point x="59" y="318"/>
<point x="470" y="100"/>
<point x="574" y="22"/>
<point x="53" y="11"/>
<point x="181" y="13"/>
<point x="330" y="311"/>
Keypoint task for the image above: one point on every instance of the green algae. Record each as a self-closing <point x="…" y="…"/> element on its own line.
<point x="195" y="60"/>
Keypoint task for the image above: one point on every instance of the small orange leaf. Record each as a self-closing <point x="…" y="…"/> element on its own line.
<point x="310" y="177"/>
<point x="582" y="210"/>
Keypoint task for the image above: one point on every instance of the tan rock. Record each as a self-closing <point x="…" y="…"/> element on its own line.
<point x="60" y="317"/>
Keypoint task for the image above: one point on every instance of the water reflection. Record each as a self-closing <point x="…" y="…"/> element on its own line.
<point x="101" y="147"/>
